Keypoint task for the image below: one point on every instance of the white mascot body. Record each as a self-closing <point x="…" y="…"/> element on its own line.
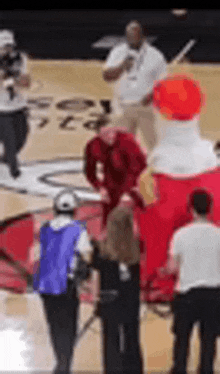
<point x="181" y="162"/>
<point x="181" y="151"/>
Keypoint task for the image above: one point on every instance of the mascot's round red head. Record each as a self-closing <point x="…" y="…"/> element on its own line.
<point x="181" y="150"/>
<point x="178" y="98"/>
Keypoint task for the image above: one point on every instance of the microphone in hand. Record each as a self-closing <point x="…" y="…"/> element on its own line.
<point x="129" y="63"/>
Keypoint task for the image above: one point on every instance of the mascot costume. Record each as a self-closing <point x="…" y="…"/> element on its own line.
<point x="181" y="161"/>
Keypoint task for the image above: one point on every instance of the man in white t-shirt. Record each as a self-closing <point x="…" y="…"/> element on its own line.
<point x="195" y="252"/>
<point x="134" y="66"/>
<point x="13" y="105"/>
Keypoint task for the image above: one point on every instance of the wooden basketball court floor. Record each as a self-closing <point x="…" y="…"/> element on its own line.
<point x="24" y="339"/>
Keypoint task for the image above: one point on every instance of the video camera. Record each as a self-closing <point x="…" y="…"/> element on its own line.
<point x="79" y="275"/>
<point x="10" y="64"/>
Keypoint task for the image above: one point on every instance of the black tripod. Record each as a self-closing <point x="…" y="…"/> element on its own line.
<point x="106" y="297"/>
<point x="86" y="326"/>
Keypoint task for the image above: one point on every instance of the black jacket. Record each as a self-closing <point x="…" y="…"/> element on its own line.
<point x="125" y="307"/>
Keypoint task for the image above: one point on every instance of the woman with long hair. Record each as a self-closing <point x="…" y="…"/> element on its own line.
<point x="116" y="257"/>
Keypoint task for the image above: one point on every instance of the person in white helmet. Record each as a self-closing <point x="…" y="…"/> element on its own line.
<point x="64" y="240"/>
<point x="13" y="106"/>
<point x="134" y="66"/>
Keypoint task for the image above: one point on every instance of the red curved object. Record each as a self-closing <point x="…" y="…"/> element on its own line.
<point x="159" y="222"/>
<point x="16" y="239"/>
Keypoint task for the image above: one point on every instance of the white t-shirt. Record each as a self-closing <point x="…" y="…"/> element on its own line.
<point x="149" y="66"/>
<point x="20" y="101"/>
<point x="198" y="245"/>
<point x="83" y="244"/>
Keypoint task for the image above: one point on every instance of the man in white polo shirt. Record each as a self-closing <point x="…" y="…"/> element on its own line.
<point x="195" y="252"/>
<point x="135" y="66"/>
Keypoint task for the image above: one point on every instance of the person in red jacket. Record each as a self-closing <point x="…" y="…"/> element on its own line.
<point x="122" y="159"/>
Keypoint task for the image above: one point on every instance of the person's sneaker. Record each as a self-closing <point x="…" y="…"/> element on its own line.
<point x="15" y="173"/>
<point x="61" y="370"/>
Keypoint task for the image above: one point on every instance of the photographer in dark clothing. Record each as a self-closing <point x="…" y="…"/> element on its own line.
<point x="116" y="257"/>
<point x="64" y="245"/>
<point x="13" y="106"/>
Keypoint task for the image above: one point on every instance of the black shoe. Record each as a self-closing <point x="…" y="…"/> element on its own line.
<point x="61" y="370"/>
<point x="15" y="173"/>
<point x="63" y="367"/>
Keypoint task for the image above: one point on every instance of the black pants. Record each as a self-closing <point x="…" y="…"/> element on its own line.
<point x="201" y="304"/>
<point x="62" y="314"/>
<point x="13" y="134"/>
<point x="122" y="353"/>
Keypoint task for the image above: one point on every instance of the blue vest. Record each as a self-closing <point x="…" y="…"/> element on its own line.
<point x="58" y="250"/>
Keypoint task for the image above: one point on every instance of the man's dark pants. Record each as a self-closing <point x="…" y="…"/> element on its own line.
<point x="62" y="314"/>
<point x="117" y="361"/>
<point x="13" y="134"/>
<point x="198" y="305"/>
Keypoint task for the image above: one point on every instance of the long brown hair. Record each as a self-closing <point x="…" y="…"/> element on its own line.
<point x="120" y="244"/>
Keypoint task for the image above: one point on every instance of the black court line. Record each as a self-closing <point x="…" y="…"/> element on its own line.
<point x="44" y="179"/>
<point x="51" y="161"/>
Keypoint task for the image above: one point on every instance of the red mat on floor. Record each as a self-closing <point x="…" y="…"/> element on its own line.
<point x="16" y="242"/>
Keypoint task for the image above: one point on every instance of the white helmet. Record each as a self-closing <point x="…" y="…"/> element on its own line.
<point x="66" y="201"/>
<point x="6" y="37"/>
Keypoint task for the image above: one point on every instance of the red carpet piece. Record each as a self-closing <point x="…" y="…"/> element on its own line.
<point x="16" y="239"/>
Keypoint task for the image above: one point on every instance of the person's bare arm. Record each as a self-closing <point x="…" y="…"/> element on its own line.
<point x="114" y="73"/>
<point x="174" y="257"/>
<point x="146" y="186"/>
<point x="148" y="99"/>
<point x="173" y="264"/>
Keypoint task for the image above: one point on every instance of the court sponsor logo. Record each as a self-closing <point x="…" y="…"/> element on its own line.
<point x="69" y="114"/>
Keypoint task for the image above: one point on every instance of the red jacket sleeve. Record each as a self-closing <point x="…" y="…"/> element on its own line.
<point x="91" y="152"/>
<point x="136" y="162"/>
